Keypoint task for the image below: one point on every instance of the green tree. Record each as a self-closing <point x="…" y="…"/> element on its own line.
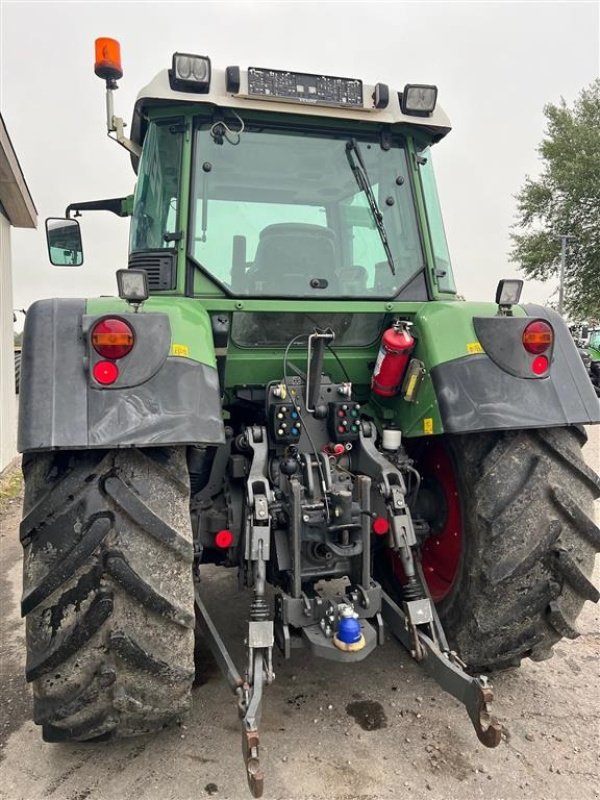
<point x="565" y="199"/>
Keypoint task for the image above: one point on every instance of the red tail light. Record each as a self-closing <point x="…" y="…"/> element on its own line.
<point x="537" y="337"/>
<point x="224" y="539"/>
<point x="539" y="365"/>
<point x="105" y="372"/>
<point x="112" y="338"/>
<point x="380" y="526"/>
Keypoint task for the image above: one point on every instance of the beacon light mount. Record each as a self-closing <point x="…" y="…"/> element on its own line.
<point x="108" y="67"/>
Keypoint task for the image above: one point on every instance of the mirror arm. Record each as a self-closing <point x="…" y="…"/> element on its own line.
<point x="116" y="205"/>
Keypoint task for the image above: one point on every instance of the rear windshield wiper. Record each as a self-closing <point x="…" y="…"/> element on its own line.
<point x="357" y="165"/>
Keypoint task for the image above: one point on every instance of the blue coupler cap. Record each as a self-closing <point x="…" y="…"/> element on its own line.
<point x="348" y="630"/>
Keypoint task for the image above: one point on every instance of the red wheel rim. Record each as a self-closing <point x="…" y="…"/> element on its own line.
<point x="441" y="552"/>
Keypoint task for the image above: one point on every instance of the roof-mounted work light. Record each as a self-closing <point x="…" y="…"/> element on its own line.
<point x="418" y="99"/>
<point x="190" y="73"/>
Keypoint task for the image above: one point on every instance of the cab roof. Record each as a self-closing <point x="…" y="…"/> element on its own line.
<point x="159" y="93"/>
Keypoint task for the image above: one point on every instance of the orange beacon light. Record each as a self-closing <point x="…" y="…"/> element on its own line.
<point x="108" y="59"/>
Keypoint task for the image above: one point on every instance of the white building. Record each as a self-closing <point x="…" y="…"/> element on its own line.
<point x="16" y="210"/>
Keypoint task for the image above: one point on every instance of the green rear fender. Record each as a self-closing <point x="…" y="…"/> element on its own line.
<point x="479" y="377"/>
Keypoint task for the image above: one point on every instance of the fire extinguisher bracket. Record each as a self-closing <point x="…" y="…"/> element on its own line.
<point x="397" y="344"/>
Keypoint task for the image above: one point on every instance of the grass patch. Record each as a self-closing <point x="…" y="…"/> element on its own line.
<point x="10" y="485"/>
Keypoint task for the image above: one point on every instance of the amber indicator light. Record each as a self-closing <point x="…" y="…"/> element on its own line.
<point x="112" y="338"/>
<point x="108" y="59"/>
<point x="537" y="337"/>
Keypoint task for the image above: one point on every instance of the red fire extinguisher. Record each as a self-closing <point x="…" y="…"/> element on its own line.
<point x="394" y="354"/>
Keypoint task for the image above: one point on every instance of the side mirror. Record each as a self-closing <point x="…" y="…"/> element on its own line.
<point x="64" y="242"/>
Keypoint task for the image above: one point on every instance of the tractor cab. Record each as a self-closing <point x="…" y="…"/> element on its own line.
<point x="289" y="185"/>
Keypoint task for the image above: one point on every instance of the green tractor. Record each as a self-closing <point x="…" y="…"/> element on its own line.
<point x="587" y="340"/>
<point x="592" y="350"/>
<point x="287" y="385"/>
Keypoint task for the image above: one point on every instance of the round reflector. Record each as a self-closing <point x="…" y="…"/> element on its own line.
<point x="112" y="338"/>
<point x="224" y="539"/>
<point x="537" y="337"/>
<point x="380" y="526"/>
<point x="105" y="372"/>
<point x="539" y="365"/>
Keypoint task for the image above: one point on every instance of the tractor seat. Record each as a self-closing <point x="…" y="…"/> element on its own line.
<point x="295" y="253"/>
<point x="353" y="280"/>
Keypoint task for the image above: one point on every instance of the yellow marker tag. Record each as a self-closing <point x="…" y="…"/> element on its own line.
<point x="474" y="347"/>
<point x="180" y="350"/>
<point x="428" y="425"/>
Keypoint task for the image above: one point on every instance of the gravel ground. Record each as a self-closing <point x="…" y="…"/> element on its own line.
<point x="380" y="729"/>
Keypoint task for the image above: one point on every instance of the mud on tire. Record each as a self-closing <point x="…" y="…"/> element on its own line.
<point x="529" y="544"/>
<point x="108" y="591"/>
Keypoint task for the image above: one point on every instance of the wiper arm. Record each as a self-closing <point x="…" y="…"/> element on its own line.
<point x="357" y="165"/>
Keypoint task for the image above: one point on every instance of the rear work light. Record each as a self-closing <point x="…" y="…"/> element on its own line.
<point x="537" y="337"/>
<point x="112" y="338"/>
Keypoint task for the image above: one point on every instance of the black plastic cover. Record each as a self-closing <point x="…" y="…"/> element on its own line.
<point x="381" y="95"/>
<point x="181" y="404"/>
<point x="232" y="79"/>
<point x="152" y="337"/>
<point x="502" y="339"/>
<point x="475" y="394"/>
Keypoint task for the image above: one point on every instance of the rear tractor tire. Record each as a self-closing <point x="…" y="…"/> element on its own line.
<point x="510" y="560"/>
<point x="108" y="591"/>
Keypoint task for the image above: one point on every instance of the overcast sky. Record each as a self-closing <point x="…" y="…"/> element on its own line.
<point x="496" y="64"/>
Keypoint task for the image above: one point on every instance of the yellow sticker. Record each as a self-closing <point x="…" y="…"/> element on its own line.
<point x="180" y="350"/>
<point x="474" y="347"/>
<point x="428" y="425"/>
